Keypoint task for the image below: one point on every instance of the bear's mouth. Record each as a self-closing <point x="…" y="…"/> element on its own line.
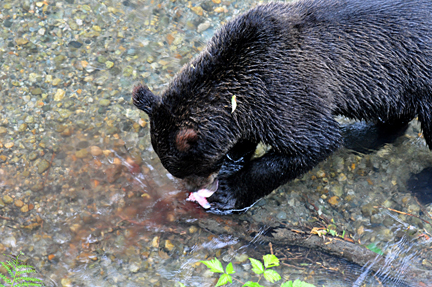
<point x="194" y="183"/>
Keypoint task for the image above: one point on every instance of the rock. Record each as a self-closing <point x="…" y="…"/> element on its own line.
<point x="3" y="130"/>
<point x="334" y="200"/>
<point x="203" y="26"/>
<point x="21" y="41"/>
<point x="7" y="199"/>
<point x="36" y="91"/>
<point x="95" y="151"/>
<point x="64" y="113"/>
<point x="9" y="145"/>
<point x="43" y="166"/>
<point x="113" y="173"/>
<point x="59" y="95"/>
<point x="82" y="153"/>
<point x="25" y="208"/>
<point x="104" y="102"/>
<point x="22" y="127"/>
<point x="19" y="203"/>
<point x="32" y="155"/>
<point x="197" y="10"/>
<point x="75" y="44"/>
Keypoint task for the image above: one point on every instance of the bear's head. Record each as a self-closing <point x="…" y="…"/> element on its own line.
<point x="190" y="139"/>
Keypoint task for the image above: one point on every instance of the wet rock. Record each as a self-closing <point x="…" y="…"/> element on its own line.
<point x="334" y="200"/>
<point x="37" y="187"/>
<point x="104" y="102"/>
<point x="134" y="267"/>
<point x="32" y="155"/>
<point x="75" y="44"/>
<point x="82" y="153"/>
<point x="43" y="166"/>
<point x="66" y="282"/>
<point x="64" y="113"/>
<point x="7" y="199"/>
<point x="22" y="127"/>
<point x="21" y="41"/>
<point x="25" y="208"/>
<point x="368" y="210"/>
<point x="19" y="203"/>
<point x="95" y="151"/>
<point x="9" y="145"/>
<point x="113" y="173"/>
<point x="59" y="95"/>
<point x="203" y="26"/>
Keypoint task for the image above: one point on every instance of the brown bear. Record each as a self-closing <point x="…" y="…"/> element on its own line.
<point x="278" y="74"/>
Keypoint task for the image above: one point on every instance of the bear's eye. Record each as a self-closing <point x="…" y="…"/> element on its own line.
<point x="185" y="138"/>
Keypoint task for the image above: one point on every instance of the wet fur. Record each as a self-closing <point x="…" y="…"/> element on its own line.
<point x="292" y="67"/>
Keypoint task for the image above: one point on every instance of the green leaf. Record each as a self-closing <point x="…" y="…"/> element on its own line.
<point x="333" y="232"/>
<point x="374" y="248"/>
<point x="270" y="260"/>
<point x="215" y="265"/>
<point x="181" y="284"/>
<point x="252" y="284"/>
<point x="230" y="269"/>
<point x="7" y="266"/>
<point x="287" y="284"/>
<point x="271" y="275"/>
<point x="7" y="280"/>
<point x="224" y="279"/>
<point x="257" y="266"/>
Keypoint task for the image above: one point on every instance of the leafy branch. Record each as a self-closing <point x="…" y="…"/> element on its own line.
<point x="263" y="270"/>
<point x="18" y="274"/>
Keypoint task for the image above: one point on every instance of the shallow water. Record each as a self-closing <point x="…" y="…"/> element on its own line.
<point x="85" y="198"/>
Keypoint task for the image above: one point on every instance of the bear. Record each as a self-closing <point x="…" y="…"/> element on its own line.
<point x="278" y="74"/>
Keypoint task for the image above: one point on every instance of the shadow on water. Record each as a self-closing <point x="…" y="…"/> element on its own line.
<point x="84" y="197"/>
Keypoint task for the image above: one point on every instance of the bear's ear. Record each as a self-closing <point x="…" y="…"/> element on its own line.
<point x="144" y="99"/>
<point x="185" y="138"/>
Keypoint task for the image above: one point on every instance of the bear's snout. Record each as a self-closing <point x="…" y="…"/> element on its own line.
<point x="194" y="183"/>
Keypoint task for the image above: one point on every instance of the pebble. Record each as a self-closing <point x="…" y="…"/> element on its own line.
<point x="36" y="91"/>
<point x="104" y="102"/>
<point x="342" y="177"/>
<point x="197" y="10"/>
<point x="82" y="153"/>
<point x="95" y="151"/>
<point x="32" y="156"/>
<point x="59" y="95"/>
<point x="9" y="145"/>
<point x="21" y="41"/>
<point x="66" y="282"/>
<point x="75" y="44"/>
<point x="169" y="245"/>
<point x="43" y="166"/>
<point x="203" y="26"/>
<point x="22" y="127"/>
<point x="3" y="130"/>
<point x="25" y="208"/>
<point x="334" y="200"/>
<point x="2" y="204"/>
<point x="19" y="203"/>
<point x="109" y="64"/>
<point x="29" y="120"/>
<point x="134" y="267"/>
<point x="64" y="113"/>
<point x="7" y="199"/>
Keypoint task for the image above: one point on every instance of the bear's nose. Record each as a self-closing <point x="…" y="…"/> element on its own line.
<point x="194" y="183"/>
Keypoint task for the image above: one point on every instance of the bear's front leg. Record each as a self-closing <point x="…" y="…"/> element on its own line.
<point x="259" y="178"/>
